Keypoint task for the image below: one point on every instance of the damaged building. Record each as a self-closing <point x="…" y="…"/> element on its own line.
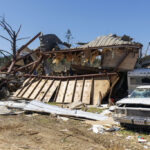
<point x="78" y="80"/>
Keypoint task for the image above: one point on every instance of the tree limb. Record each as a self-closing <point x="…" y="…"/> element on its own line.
<point x="18" y="30"/>
<point x="5" y="52"/>
<point x="24" y="38"/>
<point x="6" y="39"/>
<point x="2" y="24"/>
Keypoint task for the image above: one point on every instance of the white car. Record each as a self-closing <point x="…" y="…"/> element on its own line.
<point x="135" y="109"/>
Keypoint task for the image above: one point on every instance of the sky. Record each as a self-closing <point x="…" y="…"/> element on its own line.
<point x="86" y="19"/>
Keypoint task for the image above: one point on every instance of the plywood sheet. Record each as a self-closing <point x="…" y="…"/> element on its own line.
<point x="31" y="88"/>
<point x="100" y="85"/>
<point x="17" y="92"/>
<point x="87" y="92"/>
<point x="111" y="59"/>
<point x="38" y="88"/>
<point x="61" y="92"/>
<point x="69" y="92"/>
<point x="78" y="90"/>
<point x="44" y="90"/>
<point x="26" y="86"/>
<point x="51" y="91"/>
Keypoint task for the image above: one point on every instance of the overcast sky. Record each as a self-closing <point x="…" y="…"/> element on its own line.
<point x="86" y="19"/>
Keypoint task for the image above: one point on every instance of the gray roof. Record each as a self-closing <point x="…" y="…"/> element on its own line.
<point x="108" y="40"/>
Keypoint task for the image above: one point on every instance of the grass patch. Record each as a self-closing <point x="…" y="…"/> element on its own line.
<point x="134" y="132"/>
<point x="95" y="110"/>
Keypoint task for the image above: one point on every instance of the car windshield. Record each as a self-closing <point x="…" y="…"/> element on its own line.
<point x="141" y="93"/>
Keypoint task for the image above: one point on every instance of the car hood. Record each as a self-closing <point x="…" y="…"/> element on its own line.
<point x="143" y="101"/>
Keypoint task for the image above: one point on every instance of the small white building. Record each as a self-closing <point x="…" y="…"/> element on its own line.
<point x="138" y="77"/>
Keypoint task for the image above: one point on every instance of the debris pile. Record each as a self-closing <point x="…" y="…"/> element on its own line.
<point x="78" y="80"/>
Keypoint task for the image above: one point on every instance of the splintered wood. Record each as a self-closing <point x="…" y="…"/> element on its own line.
<point x="88" y="91"/>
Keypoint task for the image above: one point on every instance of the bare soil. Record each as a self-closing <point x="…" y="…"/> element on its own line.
<point x="44" y="132"/>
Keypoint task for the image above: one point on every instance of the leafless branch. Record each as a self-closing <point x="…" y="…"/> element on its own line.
<point x="24" y="38"/>
<point x="18" y="30"/>
<point x="2" y="24"/>
<point x="6" y="38"/>
<point x="5" y="52"/>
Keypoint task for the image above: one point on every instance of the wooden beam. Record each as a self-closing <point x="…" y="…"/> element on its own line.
<point x="35" y="87"/>
<point x="57" y="91"/>
<point x="82" y="89"/>
<point x="47" y="90"/>
<point x="65" y="92"/>
<point x="23" y="47"/>
<point x="74" y="89"/>
<point x="73" y="77"/>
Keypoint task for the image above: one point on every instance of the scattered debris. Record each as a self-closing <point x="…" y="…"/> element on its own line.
<point x="141" y="139"/>
<point x="103" y="128"/>
<point x="76" y="105"/>
<point x="129" y="137"/>
<point x="97" y="129"/>
<point x="63" y="118"/>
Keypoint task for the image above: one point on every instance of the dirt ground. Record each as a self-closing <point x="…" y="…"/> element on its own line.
<point x="44" y="132"/>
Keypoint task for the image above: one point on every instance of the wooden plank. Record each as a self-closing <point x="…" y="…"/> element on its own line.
<point x="38" y="82"/>
<point x="65" y="90"/>
<point x="74" y="89"/>
<point x="87" y="92"/>
<point x="100" y="85"/>
<point x="69" y="92"/>
<point x="30" y="89"/>
<point x="34" y="94"/>
<point x="61" y="92"/>
<point x="44" y="90"/>
<point x="26" y="86"/>
<point x="57" y="92"/>
<point x="112" y="58"/>
<point x="51" y="91"/>
<point x="19" y="90"/>
<point x="78" y="90"/>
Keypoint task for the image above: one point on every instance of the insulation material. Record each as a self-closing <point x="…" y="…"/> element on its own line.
<point x="87" y="92"/>
<point x="61" y="92"/>
<point x="58" y="58"/>
<point x="69" y="57"/>
<point x="102" y="86"/>
<point x="78" y="91"/>
<point x="76" y="59"/>
<point x="69" y="92"/>
<point x="87" y="55"/>
<point x="94" y="55"/>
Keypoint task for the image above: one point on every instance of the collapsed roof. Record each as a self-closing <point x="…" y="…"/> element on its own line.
<point x="111" y="40"/>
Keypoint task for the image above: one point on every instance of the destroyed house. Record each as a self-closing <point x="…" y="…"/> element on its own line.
<point x="90" y="85"/>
